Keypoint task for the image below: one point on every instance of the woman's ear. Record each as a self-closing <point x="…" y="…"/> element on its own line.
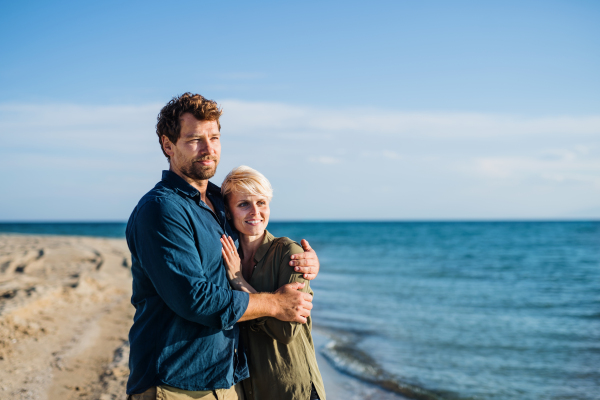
<point x="228" y="215"/>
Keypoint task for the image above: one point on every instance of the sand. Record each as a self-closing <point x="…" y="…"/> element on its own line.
<point x="65" y="313"/>
<point x="64" y="317"/>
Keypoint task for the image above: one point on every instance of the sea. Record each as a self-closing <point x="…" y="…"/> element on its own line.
<point x="449" y="310"/>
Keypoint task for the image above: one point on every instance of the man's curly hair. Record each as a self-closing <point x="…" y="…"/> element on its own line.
<point x="168" y="121"/>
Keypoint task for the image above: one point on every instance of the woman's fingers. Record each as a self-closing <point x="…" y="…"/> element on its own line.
<point x="228" y="244"/>
<point x="231" y="242"/>
<point x="224" y="245"/>
<point x="225" y="256"/>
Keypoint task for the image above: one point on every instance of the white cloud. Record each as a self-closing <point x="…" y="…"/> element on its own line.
<point x="575" y="164"/>
<point x="431" y="164"/>
<point x="325" y="160"/>
<point x="126" y="128"/>
<point x="256" y="117"/>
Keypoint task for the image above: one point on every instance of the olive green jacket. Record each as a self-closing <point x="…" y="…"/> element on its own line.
<point x="281" y="355"/>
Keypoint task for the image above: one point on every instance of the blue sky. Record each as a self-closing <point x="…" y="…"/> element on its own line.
<point x="381" y="110"/>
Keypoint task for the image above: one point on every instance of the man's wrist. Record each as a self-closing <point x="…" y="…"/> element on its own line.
<point x="271" y="301"/>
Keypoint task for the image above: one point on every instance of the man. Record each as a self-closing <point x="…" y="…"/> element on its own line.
<point x="184" y="338"/>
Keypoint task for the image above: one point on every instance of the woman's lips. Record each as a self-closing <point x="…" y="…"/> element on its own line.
<point x="254" y="221"/>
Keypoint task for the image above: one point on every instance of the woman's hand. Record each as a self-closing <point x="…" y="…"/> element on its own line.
<point x="231" y="257"/>
<point x="234" y="266"/>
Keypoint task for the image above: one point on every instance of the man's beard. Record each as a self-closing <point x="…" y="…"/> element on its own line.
<point x="201" y="172"/>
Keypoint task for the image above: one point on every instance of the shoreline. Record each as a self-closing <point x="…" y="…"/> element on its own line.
<point x="341" y="386"/>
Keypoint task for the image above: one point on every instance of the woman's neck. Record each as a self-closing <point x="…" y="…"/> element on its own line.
<point x="250" y="244"/>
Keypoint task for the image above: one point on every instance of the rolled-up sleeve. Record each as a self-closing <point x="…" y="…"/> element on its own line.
<point x="164" y="239"/>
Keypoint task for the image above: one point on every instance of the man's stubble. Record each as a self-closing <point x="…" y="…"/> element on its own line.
<point x="196" y="171"/>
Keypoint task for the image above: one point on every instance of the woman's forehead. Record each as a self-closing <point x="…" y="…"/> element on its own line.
<point x="245" y="195"/>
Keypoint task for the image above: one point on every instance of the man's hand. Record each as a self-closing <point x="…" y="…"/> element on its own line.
<point x="291" y="304"/>
<point x="306" y="263"/>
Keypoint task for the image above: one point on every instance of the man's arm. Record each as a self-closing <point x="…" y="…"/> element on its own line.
<point x="306" y="263"/>
<point x="165" y="248"/>
<point x="287" y="303"/>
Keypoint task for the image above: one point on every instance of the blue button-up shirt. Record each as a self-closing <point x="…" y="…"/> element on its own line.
<point x="184" y="333"/>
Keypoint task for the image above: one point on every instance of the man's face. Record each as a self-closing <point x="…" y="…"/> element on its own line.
<point x="198" y="149"/>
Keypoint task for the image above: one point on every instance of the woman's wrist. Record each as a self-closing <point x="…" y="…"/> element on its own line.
<point x="240" y="284"/>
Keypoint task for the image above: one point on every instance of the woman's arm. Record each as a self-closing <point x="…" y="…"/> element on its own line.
<point x="234" y="266"/>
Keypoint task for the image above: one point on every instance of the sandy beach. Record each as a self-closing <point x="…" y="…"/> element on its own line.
<point x="65" y="314"/>
<point x="64" y="317"/>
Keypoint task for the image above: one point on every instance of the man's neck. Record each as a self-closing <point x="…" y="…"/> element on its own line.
<point x="200" y="185"/>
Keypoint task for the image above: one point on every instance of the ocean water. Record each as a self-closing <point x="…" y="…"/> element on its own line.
<point x="474" y="310"/>
<point x="506" y="310"/>
<point x="100" y="229"/>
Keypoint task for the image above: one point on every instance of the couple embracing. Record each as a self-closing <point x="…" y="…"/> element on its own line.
<point x="213" y="320"/>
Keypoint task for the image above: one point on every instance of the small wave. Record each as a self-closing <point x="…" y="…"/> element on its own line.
<point x="346" y="357"/>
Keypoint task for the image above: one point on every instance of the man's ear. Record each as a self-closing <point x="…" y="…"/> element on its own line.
<point x="167" y="145"/>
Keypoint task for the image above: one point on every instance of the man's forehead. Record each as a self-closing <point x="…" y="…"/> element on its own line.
<point x="190" y="126"/>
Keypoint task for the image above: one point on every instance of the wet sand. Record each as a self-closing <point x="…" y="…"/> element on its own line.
<point x="65" y="314"/>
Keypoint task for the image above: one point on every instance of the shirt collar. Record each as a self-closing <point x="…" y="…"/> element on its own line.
<point x="179" y="184"/>
<point x="264" y="247"/>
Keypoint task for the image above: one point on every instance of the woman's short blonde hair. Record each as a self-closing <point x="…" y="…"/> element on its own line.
<point x="246" y="180"/>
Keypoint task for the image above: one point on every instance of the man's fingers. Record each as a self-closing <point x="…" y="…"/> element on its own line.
<point x="308" y="297"/>
<point x="301" y="319"/>
<point x="303" y="269"/>
<point x="298" y="262"/>
<point x="303" y="256"/>
<point x="305" y="245"/>
<point x="295" y="285"/>
<point x="309" y="277"/>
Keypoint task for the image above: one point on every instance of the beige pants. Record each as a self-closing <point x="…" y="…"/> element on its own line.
<point x="170" y="393"/>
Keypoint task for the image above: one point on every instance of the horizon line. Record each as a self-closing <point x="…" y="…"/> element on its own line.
<point x="416" y="220"/>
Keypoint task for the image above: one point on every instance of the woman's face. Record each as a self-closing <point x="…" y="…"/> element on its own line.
<point x="249" y="213"/>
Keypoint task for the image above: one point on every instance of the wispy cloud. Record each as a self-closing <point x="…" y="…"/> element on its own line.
<point x="287" y="118"/>
<point x="325" y="160"/>
<point x="431" y="164"/>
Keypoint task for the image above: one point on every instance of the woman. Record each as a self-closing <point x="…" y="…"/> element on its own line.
<point x="282" y="358"/>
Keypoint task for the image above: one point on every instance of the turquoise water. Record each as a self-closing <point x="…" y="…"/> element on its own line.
<point x="499" y="310"/>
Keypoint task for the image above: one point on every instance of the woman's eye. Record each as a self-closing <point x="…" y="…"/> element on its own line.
<point x="244" y="204"/>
